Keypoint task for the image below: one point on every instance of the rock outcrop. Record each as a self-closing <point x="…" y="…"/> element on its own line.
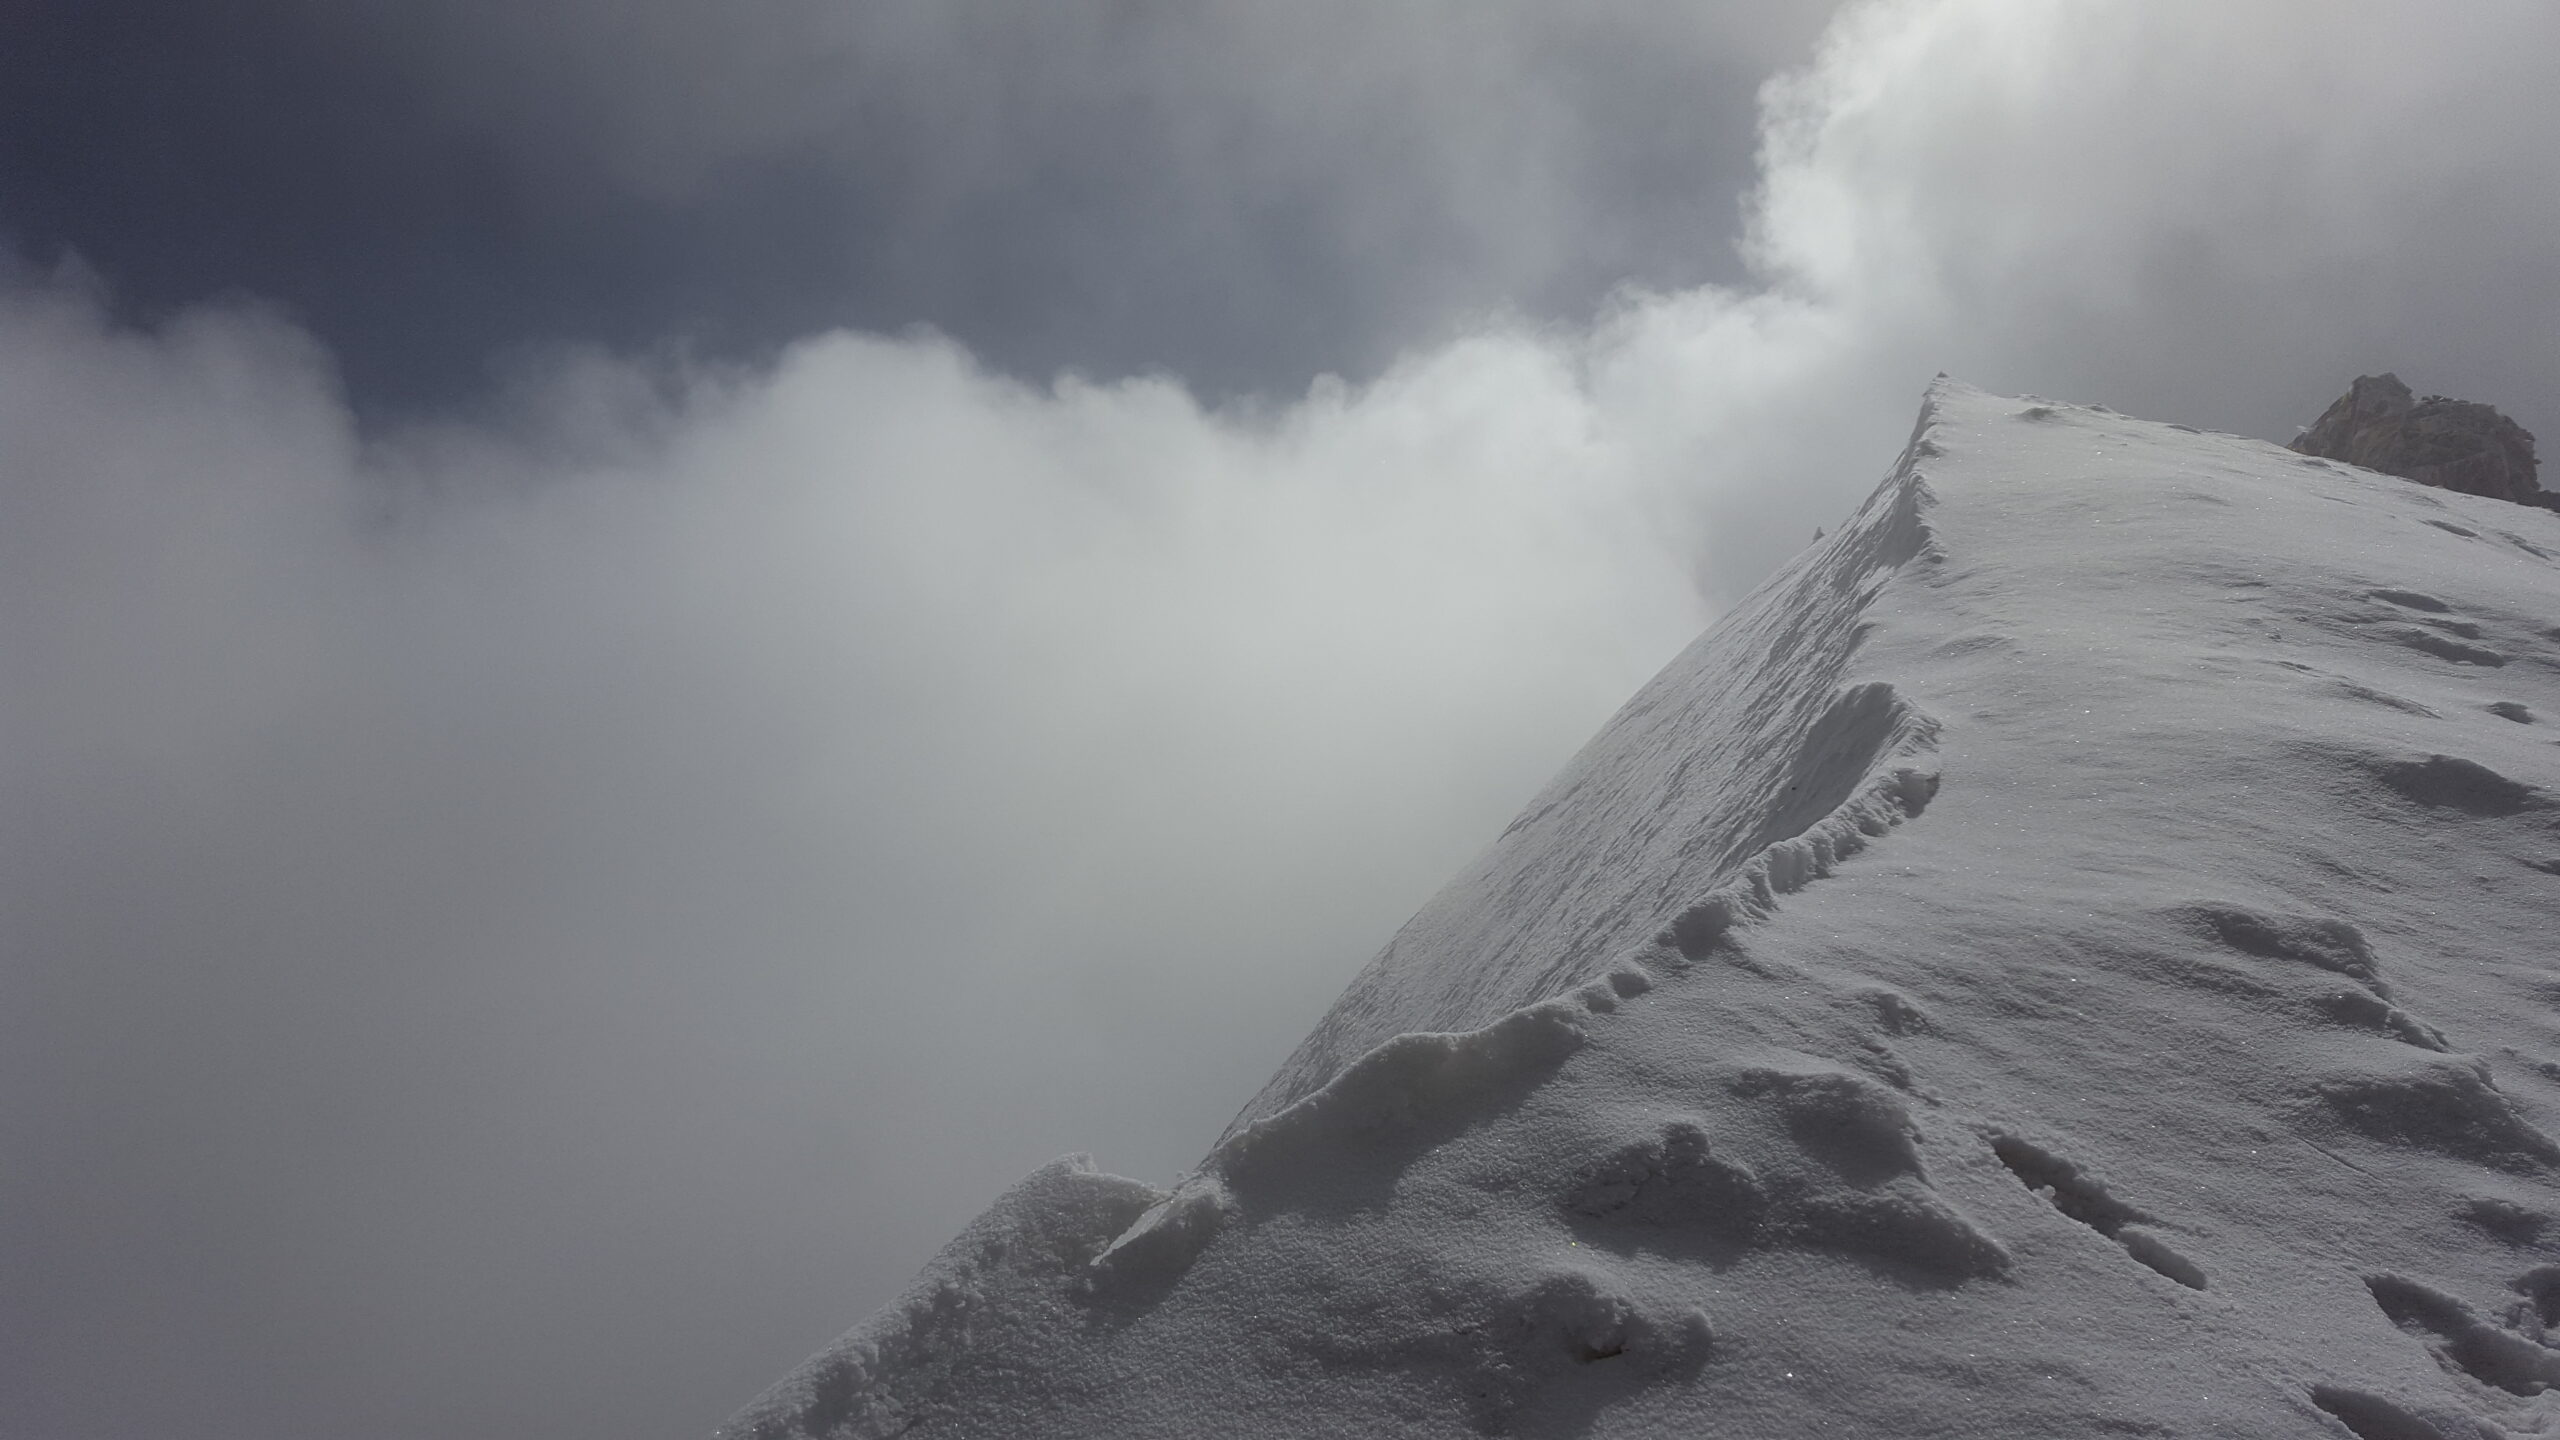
<point x="2450" y="444"/>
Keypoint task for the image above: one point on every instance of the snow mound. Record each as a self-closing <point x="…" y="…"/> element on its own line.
<point x="2172" y="1046"/>
<point x="986" y="1285"/>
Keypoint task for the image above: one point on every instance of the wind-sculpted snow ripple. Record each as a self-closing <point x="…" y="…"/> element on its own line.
<point x="1867" y="729"/>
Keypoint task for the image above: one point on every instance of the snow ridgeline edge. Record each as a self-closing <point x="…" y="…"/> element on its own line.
<point x="1094" y="1237"/>
<point x="1399" y="1083"/>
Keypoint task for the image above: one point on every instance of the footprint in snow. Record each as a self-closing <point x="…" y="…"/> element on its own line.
<point x="2547" y="1069"/>
<point x="1849" y="1122"/>
<point x="1510" y="1355"/>
<point x="2372" y="1417"/>
<point x="1864" y="1197"/>
<point x="2525" y="545"/>
<point x="2446" y="1104"/>
<point x="2386" y="699"/>
<point x="2438" y="617"/>
<point x="2505" y="1356"/>
<point x="1895" y="1013"/>
<point x="2452" y="783"/>
<point x="2364" y="1010"/>
<point x="2535" y="1312"/>
<point x="2444" y="647"/>
<point x="2514" y="1223"/>
<point x="1674" y="1179"/>
<point x="2084" y="1198"/>
<point x="2514" y="1355"/>
<point x="2330" y="944"/>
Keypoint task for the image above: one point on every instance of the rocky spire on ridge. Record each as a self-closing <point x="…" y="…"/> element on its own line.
<point x="2450" y="444"/>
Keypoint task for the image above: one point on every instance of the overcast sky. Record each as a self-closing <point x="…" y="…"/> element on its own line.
<point x="650" y="646"/>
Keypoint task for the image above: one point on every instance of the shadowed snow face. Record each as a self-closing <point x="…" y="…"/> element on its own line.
<point x="523" y="926"/>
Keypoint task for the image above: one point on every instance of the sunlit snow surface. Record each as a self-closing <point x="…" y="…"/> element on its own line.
<point x="2073" y="954"/>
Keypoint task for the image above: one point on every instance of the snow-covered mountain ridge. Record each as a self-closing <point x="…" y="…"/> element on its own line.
<point x="2072" y="953"/>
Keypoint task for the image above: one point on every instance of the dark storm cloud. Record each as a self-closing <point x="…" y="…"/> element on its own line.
<point x="1094" y="184"/>
<point x="524" y="928"/>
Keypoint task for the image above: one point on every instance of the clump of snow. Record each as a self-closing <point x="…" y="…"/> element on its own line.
<point x="1161" y="1244"/>
<point x="986" y="1286"/>
<point x="2072" y="954"/>
<point x="1406" y="1092"/>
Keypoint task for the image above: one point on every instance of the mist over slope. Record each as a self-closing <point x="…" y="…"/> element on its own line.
<point x="2070" y="954"/>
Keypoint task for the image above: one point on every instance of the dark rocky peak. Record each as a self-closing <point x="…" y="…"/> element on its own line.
<point x="2451" y="444"/>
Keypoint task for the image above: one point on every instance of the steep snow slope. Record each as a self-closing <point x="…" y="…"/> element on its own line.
<point x="2073" y="954"/>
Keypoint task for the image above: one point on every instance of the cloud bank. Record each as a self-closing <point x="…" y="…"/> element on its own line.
<point x="524" y="927"/>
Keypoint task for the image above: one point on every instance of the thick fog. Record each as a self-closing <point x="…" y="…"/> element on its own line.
<point x="524" y="916"/>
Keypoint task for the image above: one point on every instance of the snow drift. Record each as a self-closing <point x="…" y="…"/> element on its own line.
<point x="2073" y="953"/>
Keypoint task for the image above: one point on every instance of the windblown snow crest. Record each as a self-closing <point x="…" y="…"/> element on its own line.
<point x="1867" y="720"/>
<point x="1750" y="766"/>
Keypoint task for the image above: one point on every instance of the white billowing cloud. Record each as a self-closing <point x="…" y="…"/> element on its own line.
<point x="519" y="873"/>
<point x="594" y="901"/>
<point x="2219" y="214"/>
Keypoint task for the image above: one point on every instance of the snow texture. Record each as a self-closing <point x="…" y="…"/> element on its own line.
<point x="2072" y="954"/>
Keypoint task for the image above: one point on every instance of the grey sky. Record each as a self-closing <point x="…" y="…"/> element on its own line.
<point x="1111" y="187"/>
<point x="534" y="897"/>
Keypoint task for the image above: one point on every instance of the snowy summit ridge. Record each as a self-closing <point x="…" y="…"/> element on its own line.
<point x="2071" y="953"/>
